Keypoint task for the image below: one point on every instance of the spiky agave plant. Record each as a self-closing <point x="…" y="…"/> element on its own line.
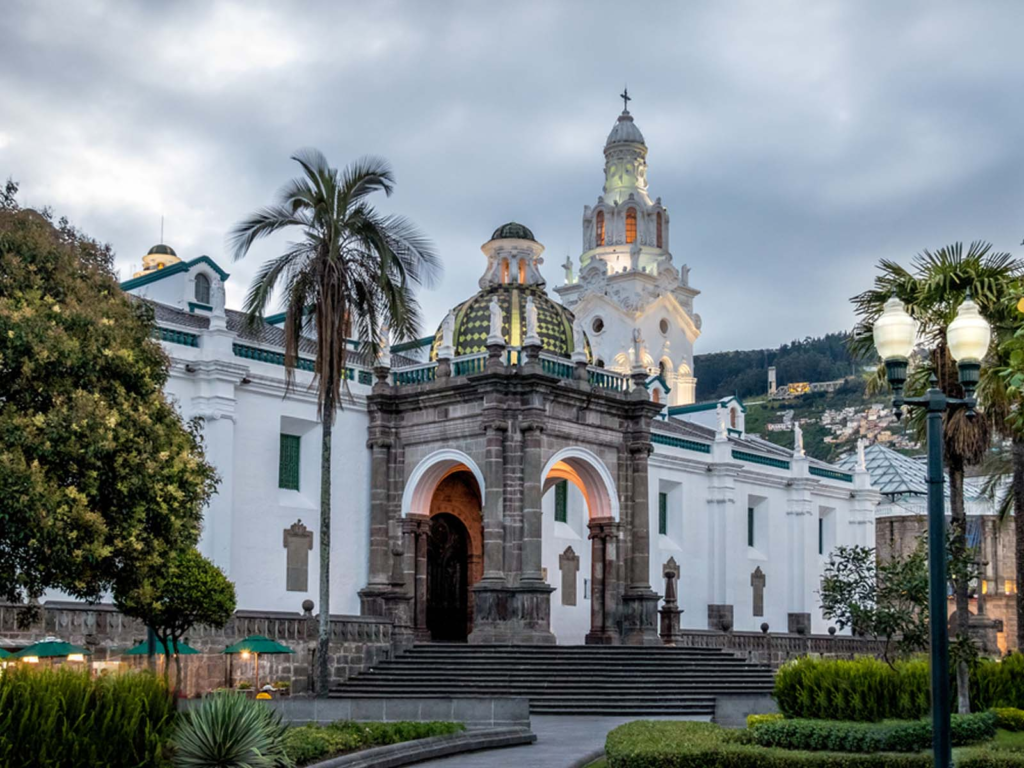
<point x="230" y="731"/>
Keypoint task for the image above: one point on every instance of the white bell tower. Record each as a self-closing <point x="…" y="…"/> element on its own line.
<point x="627" y="278"/>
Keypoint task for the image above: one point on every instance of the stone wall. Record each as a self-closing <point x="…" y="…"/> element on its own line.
<point x="775" y="649"/>
<point x="357" y="643"/>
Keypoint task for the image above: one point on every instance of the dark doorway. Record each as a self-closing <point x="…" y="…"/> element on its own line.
<point x="447" y="583"/>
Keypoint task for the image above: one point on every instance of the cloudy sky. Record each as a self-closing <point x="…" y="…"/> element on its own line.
<point x="795" y="143"/>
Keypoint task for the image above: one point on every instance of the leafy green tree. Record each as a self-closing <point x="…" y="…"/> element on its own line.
<point x="932" y="291"/>
<point x="887" y="600"/>
<point x="354" y="269"/>
<point x="99" y="477"/>
<point x="187" y="591"/>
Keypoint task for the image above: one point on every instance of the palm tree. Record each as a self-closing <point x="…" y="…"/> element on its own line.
<point x="932" y="291"/>
<point x="352" y="270"/>
<point x="1004" y="394"/>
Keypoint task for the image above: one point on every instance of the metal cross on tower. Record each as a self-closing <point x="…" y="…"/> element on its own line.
<point x="625" y="99"/>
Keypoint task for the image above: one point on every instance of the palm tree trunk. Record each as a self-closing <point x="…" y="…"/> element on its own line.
<point x="1018" y="530"/>
<point x="177" y="675"/>
<point x="958" y="535"/>
<point x="324" y="635"/>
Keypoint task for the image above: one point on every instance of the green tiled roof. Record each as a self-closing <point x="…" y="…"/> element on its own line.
<point x="513" y="230"/>
<point x="473" y="321"/>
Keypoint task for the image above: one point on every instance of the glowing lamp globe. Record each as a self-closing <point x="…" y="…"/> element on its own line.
<point x="895" y="331"/>
<point x="969" y="334"/>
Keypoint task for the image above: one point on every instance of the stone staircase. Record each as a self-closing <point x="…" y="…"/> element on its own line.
<point x="567" y="680"/>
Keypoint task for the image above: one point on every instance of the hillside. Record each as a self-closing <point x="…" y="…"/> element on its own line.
<point x="745" y="373"/>
<point x="831" y="421"/>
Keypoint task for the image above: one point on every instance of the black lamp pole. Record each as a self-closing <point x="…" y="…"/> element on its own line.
<point x="936" y="404"/>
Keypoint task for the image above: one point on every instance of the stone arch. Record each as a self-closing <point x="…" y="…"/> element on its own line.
<point x="429" y="473"/>
<point x="588" y="473"/>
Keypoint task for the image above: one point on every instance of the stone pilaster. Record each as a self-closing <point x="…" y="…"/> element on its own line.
<point x="415" y="529"/>
<point x="604" y="536"/>
<point x="802" y="538"/>
<point x="726" y="538"/>
<point x="640" y="602"/>
<point x="494" y="479"/>
<point x="532" y="429"/>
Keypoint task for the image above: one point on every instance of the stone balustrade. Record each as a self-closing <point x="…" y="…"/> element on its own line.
<point x="776" y="648"/>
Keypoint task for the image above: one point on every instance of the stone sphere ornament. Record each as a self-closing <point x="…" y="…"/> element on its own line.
<point x="764" y="627"/>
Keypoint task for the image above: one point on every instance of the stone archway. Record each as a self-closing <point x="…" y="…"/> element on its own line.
<point x="591" y="477"/>
<point x="456" y="496"/>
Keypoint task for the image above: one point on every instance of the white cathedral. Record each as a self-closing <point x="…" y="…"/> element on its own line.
<point x="530" y="485"/>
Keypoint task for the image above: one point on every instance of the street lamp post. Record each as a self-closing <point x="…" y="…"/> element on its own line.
<point x="968" y="338"/>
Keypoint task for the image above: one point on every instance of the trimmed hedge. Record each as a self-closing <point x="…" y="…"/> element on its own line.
<point x="1009" y="718"/>
<point x="887" y="736"/>
<point x="64" y="718"/>
<point x="869" y="690"/>
<point x="988" y="758"/>
<point x="309" y="743"/>
<point x="667" y="744"/>
<point x="755" y="720"/>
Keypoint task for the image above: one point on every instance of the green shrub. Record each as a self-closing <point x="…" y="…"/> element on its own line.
<point x="230" y="731"/>
<point x="863" y="689"/>
<point x="999" y="683"/>
<point x="63" y="718"/>
<point x="668" y="744"/>
<point x="982" y="757"/>
<point x="887" y="736"/>
<point x="755" y="720"/>
<point x="1009" y="718"/>
<point x="309" y="743"/>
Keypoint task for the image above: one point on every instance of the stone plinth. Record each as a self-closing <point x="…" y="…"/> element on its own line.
<point x="519" y="615"/>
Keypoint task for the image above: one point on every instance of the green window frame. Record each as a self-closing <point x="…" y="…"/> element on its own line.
<point x="821" y="535"/>
<point x="288" y="462"/>
<point x="663" y="514"/>
<point x="750" y="526"/>
<point x="562" y="501"/>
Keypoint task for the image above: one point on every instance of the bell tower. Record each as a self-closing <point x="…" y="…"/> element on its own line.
<point x="627" y="278"/>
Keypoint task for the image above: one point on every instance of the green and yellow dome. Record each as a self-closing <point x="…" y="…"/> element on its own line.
<point x="473" y="321"/>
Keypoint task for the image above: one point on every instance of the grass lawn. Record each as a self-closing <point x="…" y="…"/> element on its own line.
<point x="1008" y="740"/>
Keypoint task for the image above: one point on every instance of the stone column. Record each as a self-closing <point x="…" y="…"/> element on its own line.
<point x="379" y="544"/>
<point x="415" y="529"/>
<point x="640" y="602"/>
<point x="494" y="479"/>
<point x="604" y="532"/>
<point x="726" y="535"/>
<point x="532" y="494"/>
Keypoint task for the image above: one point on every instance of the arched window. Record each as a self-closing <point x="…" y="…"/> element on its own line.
<point x="599" y="229"/>
<point x="504" y="270"/>
<point x="658" y="227"/>
<point x="631" y="225"/>
<point x="202" y="289"/>
<point x="522" y="272"/>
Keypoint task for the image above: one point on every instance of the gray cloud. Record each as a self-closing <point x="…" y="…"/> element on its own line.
<point x="796" y="143"/>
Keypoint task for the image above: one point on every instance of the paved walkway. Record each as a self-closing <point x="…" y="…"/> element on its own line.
<point x="561" y="743"/>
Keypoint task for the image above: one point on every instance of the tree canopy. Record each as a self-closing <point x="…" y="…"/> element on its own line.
<point x="99" y="476"/>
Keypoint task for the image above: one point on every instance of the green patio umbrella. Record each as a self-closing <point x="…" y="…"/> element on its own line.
<point x="257" y="644"/>
<point x="4" y="654"/>
<point x="51" y="648"/>
<point x="142" y="649"/>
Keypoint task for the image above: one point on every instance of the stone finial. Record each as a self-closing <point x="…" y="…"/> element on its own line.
<point x="722" y="433"/>
<point x="862" y="461"/>
<point x="798" y="441"/>
<point x="579" y="342"/>
<point x="384" y="356"/>
<point x="532" y="336"/>
<point x="494" y="336"/>
<point x="307" y="607"/>
<point x="568" y="269"/>
<point x="447" y="349"/>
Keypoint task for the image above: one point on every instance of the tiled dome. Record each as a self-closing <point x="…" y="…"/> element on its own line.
<point x="473" y="321"/>
<point x="513" y="230"/>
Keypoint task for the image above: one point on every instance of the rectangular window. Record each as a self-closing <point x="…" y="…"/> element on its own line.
<point x="663" y="514"/>
<point x="288" y="465"/>
<point x="562" y="501"/>
<point x="821" y="535"/>
<point x="750" y="526"/>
